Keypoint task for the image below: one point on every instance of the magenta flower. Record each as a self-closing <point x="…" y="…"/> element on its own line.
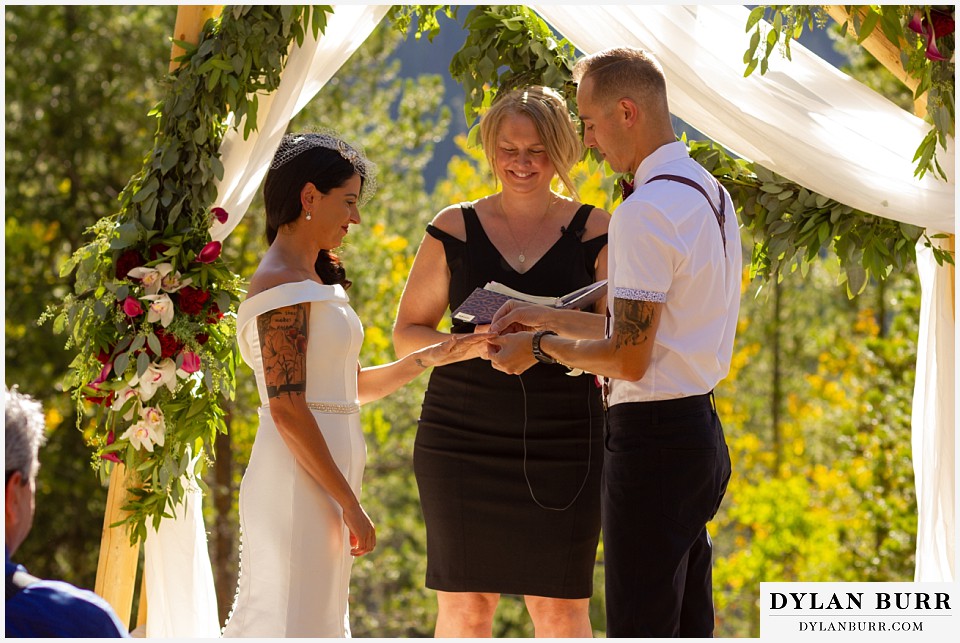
<point x="104" y="372"/>
<point x="132" y="307"/>
<point x="191" y="362"/>
<point x="939" y="24"/>
<point x="220" y="215"/>
<point x="112" y="457"/>
<point x="210" y="252"/>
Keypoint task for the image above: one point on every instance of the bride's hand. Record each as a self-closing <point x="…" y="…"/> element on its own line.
<point x="459" y="347"/>
<point x="363" y="535"/>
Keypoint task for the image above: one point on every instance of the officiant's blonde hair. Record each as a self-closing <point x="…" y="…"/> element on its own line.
<point x="548" y="111"/>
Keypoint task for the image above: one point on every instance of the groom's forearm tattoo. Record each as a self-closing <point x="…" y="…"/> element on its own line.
<point x="283" y="347"/>
<point x="632" y="321"/>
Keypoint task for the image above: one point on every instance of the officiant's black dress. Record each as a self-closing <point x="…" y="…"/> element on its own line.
<point x="492" y="497"/>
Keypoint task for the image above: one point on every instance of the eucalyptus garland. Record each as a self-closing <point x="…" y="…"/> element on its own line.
<point x="152" y="315"/>
<point x="510" y="45"/>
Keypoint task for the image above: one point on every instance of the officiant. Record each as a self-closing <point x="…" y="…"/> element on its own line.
<point x="508" y="467"/>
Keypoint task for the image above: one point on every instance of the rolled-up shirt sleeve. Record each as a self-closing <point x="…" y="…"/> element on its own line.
<point x="644" y="253"/>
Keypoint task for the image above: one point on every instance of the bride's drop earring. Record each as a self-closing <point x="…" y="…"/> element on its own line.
<point x="309" y="216"/>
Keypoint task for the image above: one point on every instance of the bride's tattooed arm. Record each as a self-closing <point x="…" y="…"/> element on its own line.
<point x="283" y="346"/>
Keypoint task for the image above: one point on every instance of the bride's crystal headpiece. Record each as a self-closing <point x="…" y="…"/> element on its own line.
<point x="293" y="145"/>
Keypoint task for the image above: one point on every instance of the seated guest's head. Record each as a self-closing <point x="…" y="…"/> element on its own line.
<point x="23" y="437"/>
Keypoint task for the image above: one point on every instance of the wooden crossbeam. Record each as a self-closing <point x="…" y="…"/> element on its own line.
<point x="886" y="52"/>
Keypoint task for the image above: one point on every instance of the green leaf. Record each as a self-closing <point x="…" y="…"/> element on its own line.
<point x="149" y="188"/>
<point x="154" y="343"/>
<point x="143" y="362"/>
<point x="755" y="15"/>
<point x="869" y="22"/>
<point x="127" y="235"/>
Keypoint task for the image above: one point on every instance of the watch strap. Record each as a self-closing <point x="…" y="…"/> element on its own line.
<point x="542" y="357"/>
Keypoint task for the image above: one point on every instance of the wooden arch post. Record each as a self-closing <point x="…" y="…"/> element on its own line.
<point x="117" y="565"/>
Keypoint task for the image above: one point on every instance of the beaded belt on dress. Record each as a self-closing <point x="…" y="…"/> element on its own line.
<point x="342" y="408"/>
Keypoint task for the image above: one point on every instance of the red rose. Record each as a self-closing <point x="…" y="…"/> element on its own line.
<point x="214" y="315"/>
<point x="132" y="307"/>
<point x="128" y="261"/>
<point x="104" y="356"/>
<point x="202" y="338"/>
<point x="169" y="344"/>
<point x="191" y="300"/>
<point x="220" y="214"/>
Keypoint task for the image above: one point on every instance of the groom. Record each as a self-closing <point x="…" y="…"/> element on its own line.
<point x="672" y="305"/>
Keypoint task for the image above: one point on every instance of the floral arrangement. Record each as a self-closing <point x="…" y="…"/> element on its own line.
<point x="156" y="353"/>
<point x="152" y="316"/>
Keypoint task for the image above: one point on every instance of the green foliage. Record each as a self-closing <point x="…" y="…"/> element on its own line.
<point x="79" y="83"/>
<point x="823" y="480"/>
<point x="793" y="226"/>
<point x="509" y="46"/>
<point x="163" y="230"/>
<point x="935" y="77"/>
<point x="402" y="17"/>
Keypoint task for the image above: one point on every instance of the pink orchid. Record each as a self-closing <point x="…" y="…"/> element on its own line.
<point x="123" y="396"/>
<point x="210" y="252"/>
<point x="160" y="309"/>
<point x="143" y="435"/>
<point x="132" y="307"/>
<point x="151" y="278"/>
<point x="174" y="282"/>
<point x="156" y="375"/>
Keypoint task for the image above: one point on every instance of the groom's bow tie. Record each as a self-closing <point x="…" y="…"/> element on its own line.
<point x="626" y="187"/>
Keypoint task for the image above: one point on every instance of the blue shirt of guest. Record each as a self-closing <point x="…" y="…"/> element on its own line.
<point x="54" y="609"/>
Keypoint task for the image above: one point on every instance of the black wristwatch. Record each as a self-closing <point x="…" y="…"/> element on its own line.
<point x="542" y="357"/>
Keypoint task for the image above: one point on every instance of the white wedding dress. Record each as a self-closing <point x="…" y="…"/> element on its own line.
<point x="295" y="550"/>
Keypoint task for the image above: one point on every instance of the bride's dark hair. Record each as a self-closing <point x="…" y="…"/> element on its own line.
<point x="327" y="169"/>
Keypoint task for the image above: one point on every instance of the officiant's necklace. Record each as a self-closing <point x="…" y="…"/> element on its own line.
<point x="522" y="257"/>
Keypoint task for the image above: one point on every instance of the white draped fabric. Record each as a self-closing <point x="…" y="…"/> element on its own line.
<point x="934" y="439"/>
<point x="802" y="119"/>
<point x="307" y="70"/>
<point x="181" y="600"/>
<point x="826" y="131"/>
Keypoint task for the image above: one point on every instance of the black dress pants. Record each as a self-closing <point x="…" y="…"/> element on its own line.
<point x="665" y="470"/>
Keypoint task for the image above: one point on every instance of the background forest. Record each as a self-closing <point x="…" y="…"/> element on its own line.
<point x="816" y="409"/>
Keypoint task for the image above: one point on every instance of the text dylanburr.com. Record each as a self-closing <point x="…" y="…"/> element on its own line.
<point x="851" y="611"/>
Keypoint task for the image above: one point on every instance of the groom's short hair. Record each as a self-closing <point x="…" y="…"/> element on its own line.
<point x="624" y="72"/>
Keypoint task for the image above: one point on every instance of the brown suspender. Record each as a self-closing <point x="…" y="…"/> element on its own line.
<point x="720" y="214"/>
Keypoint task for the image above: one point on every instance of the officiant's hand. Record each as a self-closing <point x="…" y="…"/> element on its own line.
<point x="517" y="316"/>
<point x="512" y="353"/>
<point x="459" y="347"/>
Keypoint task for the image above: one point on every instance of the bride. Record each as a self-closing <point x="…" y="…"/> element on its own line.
<point x="300" y="513"/>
